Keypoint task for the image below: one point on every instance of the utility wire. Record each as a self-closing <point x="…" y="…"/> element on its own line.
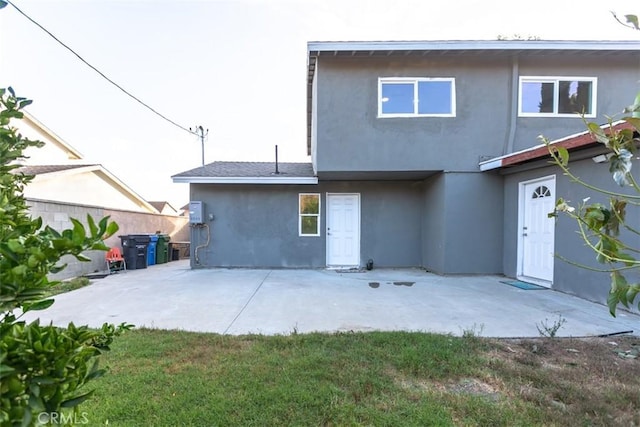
<point x="100" y="72"/>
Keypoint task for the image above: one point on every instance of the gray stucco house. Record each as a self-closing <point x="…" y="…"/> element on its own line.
<point x="426" y="154"/>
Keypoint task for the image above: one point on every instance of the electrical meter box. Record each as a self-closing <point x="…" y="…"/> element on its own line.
<point x="196" y="212"/>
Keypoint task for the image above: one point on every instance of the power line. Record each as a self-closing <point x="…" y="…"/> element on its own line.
<point x="98" y="71"/>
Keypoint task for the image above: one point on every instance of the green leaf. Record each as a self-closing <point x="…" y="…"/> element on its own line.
<point x="19" y="270"/>
<point x="598" y="133"/>
<point x="99" y="246"/>
<point x="95" y="372"/>
<point x="93" y="228"/>
<point x="633" y="20"/>
<point x="618" y="281"/>
<point x="612" y="302"/>
<point x="632" y="292"/>
<point x="35" y="389"/>
<point x="633" y="121"/>
<point x="72" y="403"/>
<point x="57" y="268"/>
<point x="636" y="103"/>
<point x="24" y="103"/>
<point x="8" y="253"/>
<point x="52" y="232"/>
<point x="45" y="380"/>
<point x="26" y="419"/>
<point x="40" y="305"/>
<point x="5" y="371"/>
<point x="563" y="153"/>
<point x="35" y="403"/>
<point x="79" y="233"/>
<point x="15" y="246"/>
<point x="112" y="229"/>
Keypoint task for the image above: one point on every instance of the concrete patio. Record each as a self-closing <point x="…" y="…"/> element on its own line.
<point x="263" y="301"/>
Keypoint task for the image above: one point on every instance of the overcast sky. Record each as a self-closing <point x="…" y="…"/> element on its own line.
<point x="236" y="67"/>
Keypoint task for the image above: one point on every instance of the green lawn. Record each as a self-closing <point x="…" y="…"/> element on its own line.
<point x="67" y="286"/>
<point x="171" y="378"/>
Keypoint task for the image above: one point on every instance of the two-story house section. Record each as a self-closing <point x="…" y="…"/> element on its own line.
<point x="400" y="135"/>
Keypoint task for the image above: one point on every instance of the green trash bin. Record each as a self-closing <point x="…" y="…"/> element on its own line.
<point x="162" y="249"/>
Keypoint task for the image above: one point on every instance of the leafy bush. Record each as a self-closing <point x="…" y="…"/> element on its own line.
<point x="599" y="225"/>
<point x="43" y="368"/>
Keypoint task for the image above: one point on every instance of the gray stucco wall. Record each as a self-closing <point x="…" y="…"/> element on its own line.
<point x="473" y="230"/>
<point x="451" y="223"/>
<point x="391" y="222"/>
<point x="568" y="278"/>
<point x="433" y="232"/>
<point x="463" y="224"/>
<point x="348" y="136"/>
<point x="254" y="226"/>
<point x="257" y="225"/>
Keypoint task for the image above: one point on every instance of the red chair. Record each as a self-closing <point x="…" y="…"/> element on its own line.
<point x="115" y="261"/>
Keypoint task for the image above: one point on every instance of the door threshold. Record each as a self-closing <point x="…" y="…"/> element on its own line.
<point x="344" y="268"/>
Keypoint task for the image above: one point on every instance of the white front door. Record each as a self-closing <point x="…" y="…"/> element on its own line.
<point x="537" y="232"/>
<point x="343" y="230"/>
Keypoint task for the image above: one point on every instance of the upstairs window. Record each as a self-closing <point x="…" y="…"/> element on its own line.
<point x="309" y="214"/>
<point x="557" y="96"/>
<point x="416" y="97"/>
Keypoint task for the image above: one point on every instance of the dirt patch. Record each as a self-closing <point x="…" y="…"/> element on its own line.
<point x="587" y="381"/>
<point x="597" y="378"/>
<point x="474" y="387"/>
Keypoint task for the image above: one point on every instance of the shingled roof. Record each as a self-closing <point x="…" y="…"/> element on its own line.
<point x="250" y="173"/>
<point x="42" y="169"/>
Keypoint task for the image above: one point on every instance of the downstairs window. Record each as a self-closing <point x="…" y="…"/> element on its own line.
<point x="309" y="214"/>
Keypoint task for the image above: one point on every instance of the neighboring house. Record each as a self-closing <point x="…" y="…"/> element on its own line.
<point x="61" y="174"/>
<point x="410" y="145"/>
<point x="83" y="184"/>
<point x="65" y="186"/>
<point x="164" y="208"/>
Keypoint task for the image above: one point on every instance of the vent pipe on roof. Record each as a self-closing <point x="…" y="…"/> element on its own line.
<point x="277" y="172"/>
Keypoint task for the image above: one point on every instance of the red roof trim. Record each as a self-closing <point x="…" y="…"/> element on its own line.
<point x="570" y="143"/>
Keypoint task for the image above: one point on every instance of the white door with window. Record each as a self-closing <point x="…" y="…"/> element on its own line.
<point x="536" y="248"/>
<point x="343" y="230"/>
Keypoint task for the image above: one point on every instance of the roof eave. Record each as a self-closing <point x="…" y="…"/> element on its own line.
<point x="537" y="45"/>
<point x="245" y="180"/>
<point x="539" y="151"/>
<point x="71" y="152"/>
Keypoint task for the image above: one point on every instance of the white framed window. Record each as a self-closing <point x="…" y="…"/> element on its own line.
<point x="416" y="97"/>
<point x="309" y="214"/>
<point x="557" y="96"/>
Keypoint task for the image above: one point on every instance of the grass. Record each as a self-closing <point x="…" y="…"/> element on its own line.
<point x="169" y="378"/>
<point x="67" y="286"/>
